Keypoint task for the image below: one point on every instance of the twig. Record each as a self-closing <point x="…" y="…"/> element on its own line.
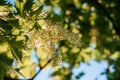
<point x="41" y="69"/>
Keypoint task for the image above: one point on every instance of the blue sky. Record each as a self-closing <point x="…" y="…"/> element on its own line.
<point x="12" y="1"/>
<point x="91" y="71"/>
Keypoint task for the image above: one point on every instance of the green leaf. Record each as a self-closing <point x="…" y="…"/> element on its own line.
<point x="1" y="73"/>
<point x="19" y="4"/>
<point x="6" y="60"/>
<point x="54" y="17"/>
<point x="28" y="5"/>
<point x="14" y="23"/>
<point x="16" y="54"/>
<point x="3" y="46"/>
<point x="2" y="2"/>
<point x="37" y="11"/>
<point x="16" y="48"/>
<point x="4" y="25"/>
<point x="4" y="63"/>
<point x="36" y="26"/>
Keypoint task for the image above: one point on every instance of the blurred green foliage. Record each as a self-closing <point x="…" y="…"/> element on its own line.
<point x="92" y="26"/>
